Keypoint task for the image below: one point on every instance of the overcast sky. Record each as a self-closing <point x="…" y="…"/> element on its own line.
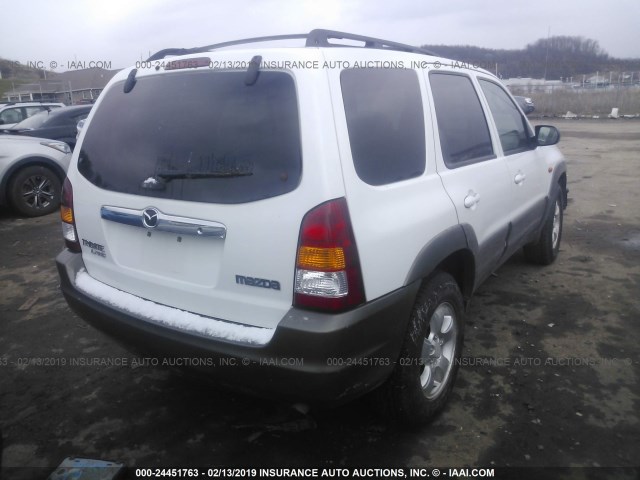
<point x="124" y="31"/>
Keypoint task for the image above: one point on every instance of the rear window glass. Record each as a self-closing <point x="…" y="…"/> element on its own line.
<point x="197" y="136"/>
<point x="385" y="122"/>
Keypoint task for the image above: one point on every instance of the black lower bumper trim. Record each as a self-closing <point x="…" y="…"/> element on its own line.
<point x="312" y="357"/>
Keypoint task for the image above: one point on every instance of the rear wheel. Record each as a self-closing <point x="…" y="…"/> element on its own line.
<point x="545" y="250"/>
<point x="35" y="191"/>
<point x="423" y="378"/>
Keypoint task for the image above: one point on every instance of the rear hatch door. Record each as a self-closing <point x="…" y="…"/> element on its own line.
<point x="191" y="186"/>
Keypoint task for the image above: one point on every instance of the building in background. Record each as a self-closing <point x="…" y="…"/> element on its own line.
<point x="74" y="87"/>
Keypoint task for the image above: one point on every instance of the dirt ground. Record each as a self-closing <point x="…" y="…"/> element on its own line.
<point x="550" y="374"/>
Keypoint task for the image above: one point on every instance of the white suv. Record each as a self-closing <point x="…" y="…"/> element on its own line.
<point x="312" y="220"/>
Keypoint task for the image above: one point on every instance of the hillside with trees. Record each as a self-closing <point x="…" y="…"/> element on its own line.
<point x="553" y="58"/>
<point x="14" y="73"/>
<point x="11" y="69"/>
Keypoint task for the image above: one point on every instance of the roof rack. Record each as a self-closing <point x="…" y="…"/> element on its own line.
<point x="315" y="38"/>
<point x="320" y="38"/>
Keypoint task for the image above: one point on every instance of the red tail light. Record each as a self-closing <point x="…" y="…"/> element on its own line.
<point x="68" y="220"/>
<point x="328" y="275"/>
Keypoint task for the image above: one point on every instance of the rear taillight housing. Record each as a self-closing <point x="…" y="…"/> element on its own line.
<point x="328" y="275"/>
<point x="68" y="220"/>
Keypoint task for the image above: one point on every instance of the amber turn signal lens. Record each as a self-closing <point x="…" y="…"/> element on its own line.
<point x="66" y="214"/>
<point x="314" y="258"/>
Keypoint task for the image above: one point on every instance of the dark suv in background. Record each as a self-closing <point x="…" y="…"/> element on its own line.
<point x="15" y="112"/>
<point x="58" y="124"/>
<point x="526" y="104"/>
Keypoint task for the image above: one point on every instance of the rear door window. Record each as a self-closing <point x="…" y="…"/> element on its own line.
<point x="464" y="133"/>
<point x="385" y="121"/>
<point x="200" y="136"/>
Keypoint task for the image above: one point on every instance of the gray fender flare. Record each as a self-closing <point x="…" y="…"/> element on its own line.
<point x="454" y="239"/>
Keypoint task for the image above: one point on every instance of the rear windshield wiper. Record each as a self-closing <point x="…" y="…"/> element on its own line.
<point x="159" y="180"/>
<point x="168" y="176"/>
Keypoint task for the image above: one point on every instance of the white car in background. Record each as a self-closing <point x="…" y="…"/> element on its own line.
<point x="31" y="173"/>
<point x="14" y="112"/>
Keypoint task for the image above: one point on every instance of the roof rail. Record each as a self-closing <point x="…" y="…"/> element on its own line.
<point x="315" y="38"/>
<point x="207" y="48"/>
<point x="320" y="38"/>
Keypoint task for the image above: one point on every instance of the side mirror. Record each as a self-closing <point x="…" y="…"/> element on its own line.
<point x="547" y="135"/>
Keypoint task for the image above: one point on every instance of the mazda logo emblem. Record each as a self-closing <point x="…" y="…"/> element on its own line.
<point x="150" y="217"/>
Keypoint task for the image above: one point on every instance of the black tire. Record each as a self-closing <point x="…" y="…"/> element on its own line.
<point x="410" y="396"/>
<point x="545" y="250"/>
<point x="35" y="191"/>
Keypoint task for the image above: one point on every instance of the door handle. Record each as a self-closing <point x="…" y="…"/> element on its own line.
<point x="471" y="200"/>
<point x="519" y="178"/>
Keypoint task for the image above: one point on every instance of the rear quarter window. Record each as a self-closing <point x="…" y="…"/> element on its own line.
<point x="201" y="136"/>
<point x="385" y="121"/>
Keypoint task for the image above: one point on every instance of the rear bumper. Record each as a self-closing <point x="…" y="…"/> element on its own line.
<point x="317" y="358"/>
